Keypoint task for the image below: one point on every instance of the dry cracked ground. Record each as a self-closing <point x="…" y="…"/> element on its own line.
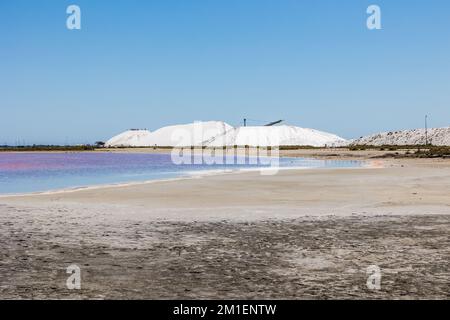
<point x="304" y="258"/>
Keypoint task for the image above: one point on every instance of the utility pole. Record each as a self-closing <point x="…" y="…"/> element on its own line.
<point x="426" y="130"/>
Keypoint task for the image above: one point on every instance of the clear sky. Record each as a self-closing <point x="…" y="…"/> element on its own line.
<point x="146" y="64"/>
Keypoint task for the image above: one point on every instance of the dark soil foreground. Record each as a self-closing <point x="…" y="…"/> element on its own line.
<point x="307" y="258"/>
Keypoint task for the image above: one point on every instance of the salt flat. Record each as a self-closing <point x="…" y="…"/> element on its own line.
<point x="298" y="234"/>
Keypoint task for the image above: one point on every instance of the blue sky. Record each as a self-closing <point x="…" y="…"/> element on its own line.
<point x="146" y="64"/>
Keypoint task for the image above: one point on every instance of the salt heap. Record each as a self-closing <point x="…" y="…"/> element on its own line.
<point x="436" y="136"/>
<point x="186" y="135"/>
<point x="220" y="134"/>
<point x="283" y="135"/>
<point x="129" y="138"/>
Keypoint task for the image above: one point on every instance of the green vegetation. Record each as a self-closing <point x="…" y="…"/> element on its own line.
<point x="388" y="147"/>
<point x="46" y="148"/>
<point x="299" y="147"/>
<point x="433" y="152"/>
<point x="132" y="147"/>
<point x="412" y="151"/>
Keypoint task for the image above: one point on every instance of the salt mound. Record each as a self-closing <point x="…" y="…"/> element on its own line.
<point x="184" y="135"/>
<point x="129" y="138"/>
<point x="275" y="136"/>
<point x="192" y="134"/>
<point x="436" y="136"/>
<point x="219" y="134"/>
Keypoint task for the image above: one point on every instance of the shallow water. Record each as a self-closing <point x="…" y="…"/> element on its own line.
<point x="36" y="172"/>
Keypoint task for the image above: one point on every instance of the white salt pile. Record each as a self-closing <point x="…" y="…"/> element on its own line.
<point x="276" y="136"/>
<point x="129" y="138"/>
<point x="192" y="134"/>
<point x="186" y="135"/>
<point x="436" y="136"/>
<point x="219" y="134"/>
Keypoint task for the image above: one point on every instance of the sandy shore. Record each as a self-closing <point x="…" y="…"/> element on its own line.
<point x="297" y="234"/>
